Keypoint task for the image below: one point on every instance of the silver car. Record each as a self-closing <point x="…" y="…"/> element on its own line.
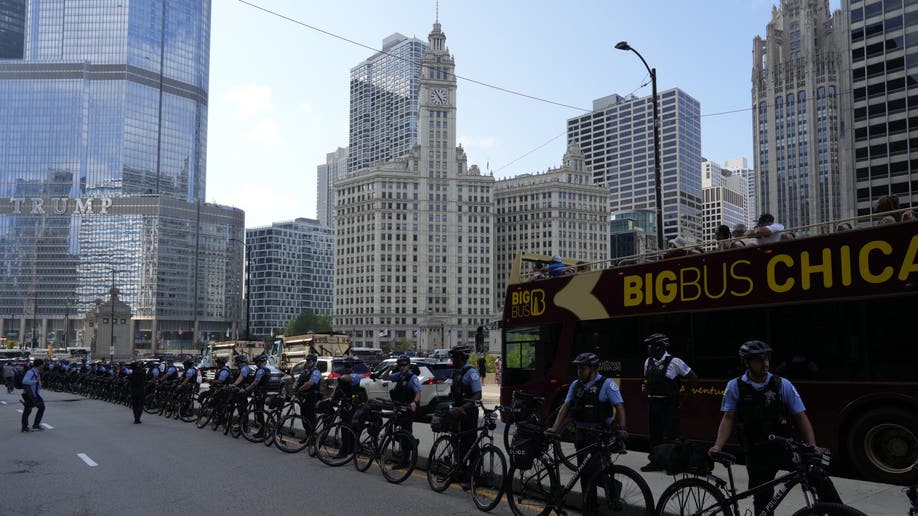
<point x="434" y="376"/>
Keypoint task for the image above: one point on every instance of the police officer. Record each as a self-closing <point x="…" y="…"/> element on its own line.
<point x="464" y="391"/>
<point x="307" y="388"/>
<point x="190" y="378"/>
<point x="662" y="373"/>
<point x="348" y="391"/>
<point x="406" y="389"/>
<point x="759" y="404"/>
<point x="137" y="382"/>
<point x="595" y="403"/>
<point x="223" y="373"/>
<point x="170" y="374"/>
<point x="31" y="395"/>
<point x="259" y="386"/>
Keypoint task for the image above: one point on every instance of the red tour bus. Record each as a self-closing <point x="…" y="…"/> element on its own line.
<point x="835" y="308"/>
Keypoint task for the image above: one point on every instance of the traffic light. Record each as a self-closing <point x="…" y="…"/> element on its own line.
<point x="479" y="340"/>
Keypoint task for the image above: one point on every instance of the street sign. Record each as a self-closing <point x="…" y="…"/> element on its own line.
<point x="111" y="350"/>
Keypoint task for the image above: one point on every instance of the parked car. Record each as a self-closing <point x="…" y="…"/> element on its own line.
<point x="440" y="354"/>
<point x="434" y="377"/>
<point x="330" y="367"/>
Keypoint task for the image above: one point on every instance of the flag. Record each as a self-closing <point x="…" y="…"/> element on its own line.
<point x="384" y="333"/>
<point x="417" y="332"/>
<point x="180" y="331"/>
<point x="227" y="332"/>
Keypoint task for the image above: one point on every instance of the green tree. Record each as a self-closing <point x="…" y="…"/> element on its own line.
<point x="308" y="321"/>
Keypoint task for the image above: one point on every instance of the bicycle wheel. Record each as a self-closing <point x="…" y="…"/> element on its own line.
<point x="441" y="461"/>
<point x="270" y="428"/>
<point x="292" y="434"/>
<point x="205" y="413"/>
<point x="189" y="408"/>
<point x="692" y="496"/>
<point x="312" y="438"/>
<point x="253" y="426"/>
<point x="488" y="473"/>
<point x="530" y="491"/>
<point x="151" y="403"/>
<point x="365" y="448"/>
<point x="335" y="445"/>
<point x="829" y="509"/>
<point x="620" y="488"/>
<point x="398" y="457"/>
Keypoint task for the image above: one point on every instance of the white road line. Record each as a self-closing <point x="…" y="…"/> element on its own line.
<point x="46" y="426"/>
<point x="2" y="403"/>
<point x="19" y="410"/>
<point x="89" y="462"/>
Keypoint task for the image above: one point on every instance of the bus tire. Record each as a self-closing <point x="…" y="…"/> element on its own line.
<point x="883" y="445"/>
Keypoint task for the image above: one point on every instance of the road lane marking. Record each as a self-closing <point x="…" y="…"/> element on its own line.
<point x="19" y="410"/>
<point x="89" y="462"/>
<point x="46" y="426"/>
<point x="2" y="403"/>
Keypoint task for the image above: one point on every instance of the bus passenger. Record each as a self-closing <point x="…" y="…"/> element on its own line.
<point x="888" y="203"/>
<point x="722" y="236"/>
<point x="766" y="230"/>
<point x="595" y="403"/>
<point x="760" y="404"/>
<point x="662" y="373"/>
<point x="556" y="267"/>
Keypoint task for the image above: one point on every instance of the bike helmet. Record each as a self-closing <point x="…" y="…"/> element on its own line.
<point x="240" y="359"/>
<point x="754" y="348"/>
<point x="657" y="340"/>
<point x="587" y="359"/>
<point x="261" y="358"/>
<point x="461" y="351"/>
<point x="221" y="360"/>
<point x="347" y="362"/>
<point x="312" y="357"/>
<point x="187" y="364"/>
<point x="403" y="360"/>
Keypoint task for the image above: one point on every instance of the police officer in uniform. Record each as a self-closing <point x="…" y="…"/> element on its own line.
<point x="759" y="404"/>
<point x="662" y="373"/>
<point x="190" y="378"/>
<point x="464" y="391"/>
<point x="259" y="386"/>
<point x="406" y="389"/>
<point x="595" y="403"/>
<point x="348" y="392"/>
<point x="170" y="374"/>
<point x="223" y="373"/>
<point x="307" y="389"/>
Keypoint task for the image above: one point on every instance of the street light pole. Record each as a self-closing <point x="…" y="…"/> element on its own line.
<point x="657" y="174"/>
<point x="111" y="326"/>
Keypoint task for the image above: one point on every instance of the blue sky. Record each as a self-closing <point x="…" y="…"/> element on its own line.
<point x="279" y="91"/>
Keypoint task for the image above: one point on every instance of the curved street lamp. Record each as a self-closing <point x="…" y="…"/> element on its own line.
<point x="657" y="174"/>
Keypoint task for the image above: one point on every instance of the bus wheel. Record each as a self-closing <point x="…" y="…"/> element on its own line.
<point x="883" y="445"/>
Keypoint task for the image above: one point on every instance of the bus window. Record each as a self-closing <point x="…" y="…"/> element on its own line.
<point x="531" y="348"/>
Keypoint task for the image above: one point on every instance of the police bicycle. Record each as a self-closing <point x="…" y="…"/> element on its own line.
<point x="488" y="471"/>
<point x="535" y="482"/>
<point x="394" y="448"/>
<point x="709" y="495"/>
<point x="335" y="442"/>
<point x="526" y="409"/>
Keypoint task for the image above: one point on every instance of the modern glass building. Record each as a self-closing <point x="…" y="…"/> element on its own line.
<point x="617" y="141"/>
<point x="106" y="105"/>
<point x="290" y="270"/>
<point x="384" y="103"/>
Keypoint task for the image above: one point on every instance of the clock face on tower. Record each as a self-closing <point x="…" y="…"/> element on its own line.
<point x="438" y="96"/>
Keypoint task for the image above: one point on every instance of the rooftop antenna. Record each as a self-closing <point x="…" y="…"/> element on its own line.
<point x="437" y="11"/>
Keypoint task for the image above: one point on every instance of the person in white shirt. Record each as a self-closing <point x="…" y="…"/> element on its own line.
<point x="767" y="230"/>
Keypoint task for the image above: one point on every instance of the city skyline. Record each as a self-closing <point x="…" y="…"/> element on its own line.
<point x="282" y="120"/>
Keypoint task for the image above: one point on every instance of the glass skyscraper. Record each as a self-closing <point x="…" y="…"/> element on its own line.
<point x="103" y="127"/>
<point x="384" y="103"/>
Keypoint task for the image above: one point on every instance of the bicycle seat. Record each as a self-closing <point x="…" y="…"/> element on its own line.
<point x="723" y="457"/>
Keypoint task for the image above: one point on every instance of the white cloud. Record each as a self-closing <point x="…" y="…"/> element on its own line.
<point x="250" y="100"/>
<point x="306" y="107"/>
<point x="265" y="131"/>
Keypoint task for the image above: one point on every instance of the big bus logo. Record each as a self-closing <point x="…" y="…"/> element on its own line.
<point x="527" y="303"/>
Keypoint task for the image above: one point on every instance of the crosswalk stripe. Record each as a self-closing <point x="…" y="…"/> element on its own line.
<point x="85" y="458"/>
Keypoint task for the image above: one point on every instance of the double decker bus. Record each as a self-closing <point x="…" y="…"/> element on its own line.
<point x="835" y="308"/>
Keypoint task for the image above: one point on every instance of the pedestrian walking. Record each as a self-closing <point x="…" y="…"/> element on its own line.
<point x="482" y="367"/>
<point x="9" y="376"/>
<point x="137" y="382"/>
<point x="498" y="366"/>
<point x="31" y="395"/>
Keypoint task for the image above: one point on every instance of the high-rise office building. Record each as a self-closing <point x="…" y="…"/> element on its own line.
<point x="384" y="103"/>
<point x="335" y="166"/>
<point x="414" y="236"/>
<point x="724" y="198"/>
<point x="102" y="143"/>
<point x="557" y="212"/>
<point x="740" y="167"/>
<point x="800" y="100"/>
<point x="617" y="141"/>
<point x="884" y="75"/>
<point x="290" y="270"/>
<point x="12" y="28"/>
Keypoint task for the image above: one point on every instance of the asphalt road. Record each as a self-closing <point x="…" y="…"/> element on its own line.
<point x="93" y="461"/>
<point x="169" y="467"/>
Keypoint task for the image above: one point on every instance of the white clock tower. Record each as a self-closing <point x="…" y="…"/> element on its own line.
<point x="437" y="106"/>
